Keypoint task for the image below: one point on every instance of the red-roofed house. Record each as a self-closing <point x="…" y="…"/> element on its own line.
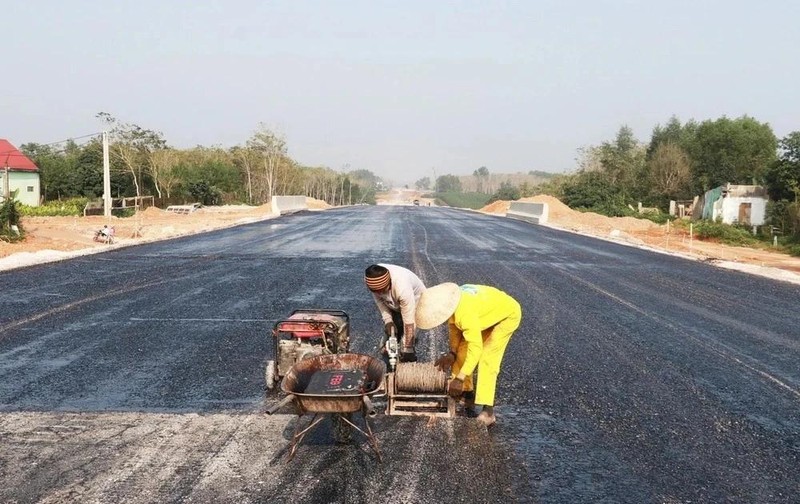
<point x="18" y="173"/>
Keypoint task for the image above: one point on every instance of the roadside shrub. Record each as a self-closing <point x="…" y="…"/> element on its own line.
<point x="9" y="217"/>
<point x="205" y="193"/>
<point x="73" y="206"/>
<point x="507" y="192"/>
<point x="724" y="233"/>
<point x="657" y="217"/>
<point x="123" y="212"/>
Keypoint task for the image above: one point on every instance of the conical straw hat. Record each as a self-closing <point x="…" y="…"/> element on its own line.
<point x="436" y="305"/>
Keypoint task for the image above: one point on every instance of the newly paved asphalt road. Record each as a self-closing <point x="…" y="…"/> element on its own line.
<point x="137" y="375"/>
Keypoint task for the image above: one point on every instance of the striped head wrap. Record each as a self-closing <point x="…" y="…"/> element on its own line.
<point x="378" y="283"/>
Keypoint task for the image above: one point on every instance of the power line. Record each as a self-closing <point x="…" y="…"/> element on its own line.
<point x="66" y="140"/>
<point x="71" y="138"/>
<point x="58" y="151"/>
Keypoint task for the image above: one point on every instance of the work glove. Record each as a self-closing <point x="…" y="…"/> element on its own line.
<point x="389" y="329"/>
<point x="455" y="387"/>
<point x="445" y="361"/>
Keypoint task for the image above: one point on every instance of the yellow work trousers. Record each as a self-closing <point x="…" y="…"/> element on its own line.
<point x="495" y="340"/>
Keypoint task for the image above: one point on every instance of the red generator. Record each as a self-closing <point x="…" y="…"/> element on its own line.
<point x="306" y="333"/>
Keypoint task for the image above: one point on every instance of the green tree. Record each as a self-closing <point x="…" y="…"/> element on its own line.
<point x="161" y="164"/>
<point x="423" y="184"/>
<point x="448" y="183"/>
<point x="88" y="171"/>
<point x="623" y="163"/>
<point x="682" y="135"/>
<point x="782" y="178"/>
<point x="736" y="151"/>
<point x="670" y="172"/>
<point x="272" y="148"/>
<point x="526" y="189"/>
<point x="594" y="191"/>
<point x="365" y="177"/>
<point x="211" y="167"/>
<point x="482" y="174"/>
<point x="130" y="145"/>
<point x="506" y="192"/>
<point x="205" y="193"/>
<point x="55" y="172"/>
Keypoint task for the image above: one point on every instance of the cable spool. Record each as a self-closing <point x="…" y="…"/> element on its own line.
<point x="419" y="377"/>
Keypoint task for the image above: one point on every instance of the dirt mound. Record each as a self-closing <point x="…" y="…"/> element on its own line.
<point x="561" y="215"/>
<point x="555" y="208"/>
<point x="316" y="204"/>
<point x="154" y="211"/>
<point x="497" y="207"/>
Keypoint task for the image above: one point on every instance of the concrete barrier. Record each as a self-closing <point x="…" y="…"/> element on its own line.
<point x="288" y="204"/>
<point x="531" y="212"/>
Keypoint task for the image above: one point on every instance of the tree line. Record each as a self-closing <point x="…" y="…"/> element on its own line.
<point x="482" y="181"/>
<point x="143" y="163"/>
<point x="681" y="160"/>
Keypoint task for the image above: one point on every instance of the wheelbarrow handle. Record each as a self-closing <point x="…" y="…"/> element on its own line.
<point x="286" y="400"/>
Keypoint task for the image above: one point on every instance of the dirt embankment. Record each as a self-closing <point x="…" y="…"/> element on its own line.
<point x="644" y="232"/>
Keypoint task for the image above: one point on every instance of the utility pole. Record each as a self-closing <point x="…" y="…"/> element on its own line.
<point x="6" y="185"/>
<point x="341" y="193"/>
<point x="349" y="186"/>
<point x="106" y="178"/>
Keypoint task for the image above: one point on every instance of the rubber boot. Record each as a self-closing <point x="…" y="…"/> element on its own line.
<point x="487" y="417"/>
<point x="469" y="404"/>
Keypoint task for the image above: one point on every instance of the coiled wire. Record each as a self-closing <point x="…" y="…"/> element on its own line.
<point x="419" y="377"/>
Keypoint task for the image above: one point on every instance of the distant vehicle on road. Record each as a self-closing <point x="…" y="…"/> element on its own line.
<point x="416" y="202"/>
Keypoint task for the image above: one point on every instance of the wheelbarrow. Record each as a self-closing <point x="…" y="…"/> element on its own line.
<point x="340" y="400"/>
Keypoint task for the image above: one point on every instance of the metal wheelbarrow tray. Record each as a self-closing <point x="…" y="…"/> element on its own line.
<point x="339" y="404"/>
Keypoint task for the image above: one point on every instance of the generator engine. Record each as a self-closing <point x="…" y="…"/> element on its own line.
<point x="292" y="351"/>
<point x="306" y="333"/>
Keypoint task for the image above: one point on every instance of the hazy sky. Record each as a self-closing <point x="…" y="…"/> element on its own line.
<point x="402" y="88"/>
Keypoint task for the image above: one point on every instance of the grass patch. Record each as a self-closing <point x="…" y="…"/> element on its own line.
<point x="470" y="200"/>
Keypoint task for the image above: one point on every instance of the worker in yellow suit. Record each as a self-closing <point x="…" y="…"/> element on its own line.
<point x="481" y="320"/>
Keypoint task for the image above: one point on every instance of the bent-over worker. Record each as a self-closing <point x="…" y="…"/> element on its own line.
<point x="396" y="291"/>
<point x="481" y="320"/>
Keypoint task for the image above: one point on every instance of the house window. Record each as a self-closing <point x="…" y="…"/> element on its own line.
<point x="30" y="188"/>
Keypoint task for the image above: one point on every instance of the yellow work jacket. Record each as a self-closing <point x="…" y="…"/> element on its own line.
<point x="481" y="307"/>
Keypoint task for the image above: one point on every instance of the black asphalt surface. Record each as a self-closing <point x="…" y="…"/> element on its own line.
<point x="635" y="377"/>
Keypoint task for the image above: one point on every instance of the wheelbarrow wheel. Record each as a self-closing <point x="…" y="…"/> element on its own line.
<point x="271" y="375"/>
<point x="342" y="432"/>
